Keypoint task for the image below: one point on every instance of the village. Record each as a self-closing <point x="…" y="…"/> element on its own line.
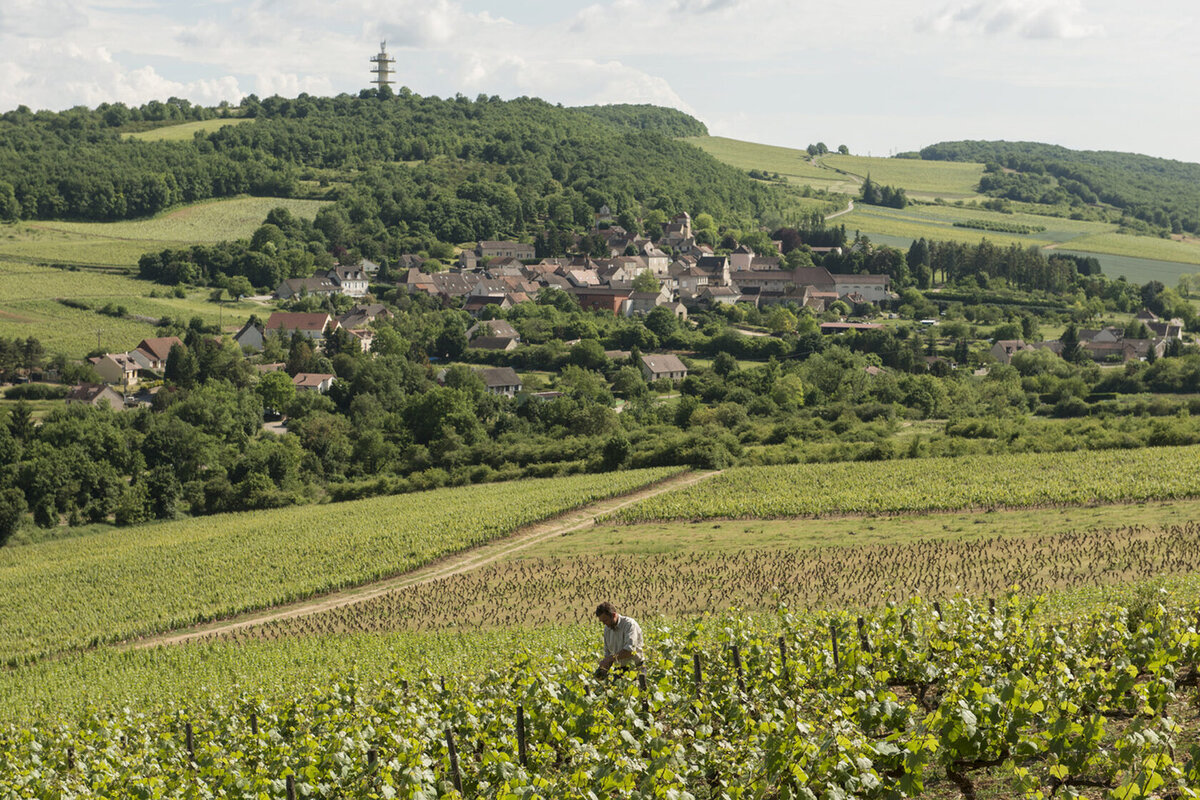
<point x="675" y="273"/>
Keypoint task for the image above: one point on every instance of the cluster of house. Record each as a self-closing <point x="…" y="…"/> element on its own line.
<point x="350" y="281"/>
<point x="505" y="380"/>
<point x="148" y="361"/>
<point x="506" y="273"/>
<point x="313" y="324"/>
<point x="1105" y="345"/>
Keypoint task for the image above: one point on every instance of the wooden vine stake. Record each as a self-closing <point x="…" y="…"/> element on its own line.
<point x="737" y="665"/>
<point x="191" y="745"/>
<point x="521" y="757"/>
<point x="783" y="667"/>
<point x="862" y="635"/>
<point x="291" y="787"/>
<point x="696" y="671"/>
<point x="645" y="693"/>
<point x="834" y="639"/>
<point x="70" y="758"/>
<point x="455" y="775"/>
<point x="254" y="723"/>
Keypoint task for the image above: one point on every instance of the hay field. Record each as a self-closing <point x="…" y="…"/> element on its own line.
<point x="29" y="307"/>
<point x="121" y="244"/>
<point x="793" y="164"/>
<point x="947" y="179"/>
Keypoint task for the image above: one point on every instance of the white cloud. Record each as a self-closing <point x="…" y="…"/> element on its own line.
<point x="290" y="84"/>
<point x="579" y="81"/>
<point x="65" y="74"/>
<point x="1032" y="19"/>
<point x="705" y="6"/>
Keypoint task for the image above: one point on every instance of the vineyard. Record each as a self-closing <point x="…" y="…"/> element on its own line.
<point x="1025" y="480"/>
<point x="954" y="700"/>
<point x="543" y="589"/>
<point x="1000" y="227"/>
<point x="80" y="592"/>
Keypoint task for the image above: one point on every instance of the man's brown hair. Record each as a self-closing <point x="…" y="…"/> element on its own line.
<point x="606" y="608"/>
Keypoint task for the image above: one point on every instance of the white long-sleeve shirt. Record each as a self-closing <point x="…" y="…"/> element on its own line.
<point x="625" y="635"/>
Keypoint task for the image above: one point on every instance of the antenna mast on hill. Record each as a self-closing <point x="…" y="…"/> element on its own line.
<point x="383" y="67"/>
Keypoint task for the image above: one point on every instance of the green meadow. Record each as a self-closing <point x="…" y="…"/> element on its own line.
<point x="184" y="131"/>
<point x="935" y="222"/>
<point x="794" y="165"/>
<point x="927" y="179"/>
<point x="121" y="244"/>
<point x="29" y="307"/>
<point x="1138" y="258"/>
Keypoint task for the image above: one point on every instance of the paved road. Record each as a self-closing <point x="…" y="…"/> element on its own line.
<point x="845" y="210"/>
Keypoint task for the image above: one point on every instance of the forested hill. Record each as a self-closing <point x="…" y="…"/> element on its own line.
<point x="667" y="121"/>
<point x="458" y="169"/>
<point x="1162" y="192"/>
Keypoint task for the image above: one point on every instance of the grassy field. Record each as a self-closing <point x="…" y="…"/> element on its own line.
<point x="794" y="165"/>
<point x="947" y="179"/>
<point x="1138" y="270"/>
<point x="930" y="222"/>
<point x="28" y="308"/>
<point x="77" y="592"/>
<point x="922" y="179"/>
<point x="121" y="244"/>
<point x="184" y="131"/>
<point x="1138" y="258"/>
<point x="1152" y="247"/>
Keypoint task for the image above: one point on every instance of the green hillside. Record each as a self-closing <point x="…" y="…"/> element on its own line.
<point x="794" y="165"/>
<point x="121" y="244"/>
<point x="1163" y="193"/>
<point x="485" y="169"/>
<point x="955" y="185"/>
<point x="948" y="180"/>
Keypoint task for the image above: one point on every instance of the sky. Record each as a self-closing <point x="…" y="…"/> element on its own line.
<point x="880" y="76"/>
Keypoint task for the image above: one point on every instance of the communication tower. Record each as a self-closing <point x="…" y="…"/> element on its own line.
<point x="383" y="67"/>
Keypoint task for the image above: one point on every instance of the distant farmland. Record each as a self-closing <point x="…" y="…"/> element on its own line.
<point x="29" y="306"/>
<point x="121" y="244"/>
<point x="184" y="131"/>
<point x="947" y="179"/>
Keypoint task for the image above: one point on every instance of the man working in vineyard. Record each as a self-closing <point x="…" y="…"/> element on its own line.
<point x="622" y="640"/>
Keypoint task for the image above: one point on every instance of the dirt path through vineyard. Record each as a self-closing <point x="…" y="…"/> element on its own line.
<point x="442" y="568"/>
